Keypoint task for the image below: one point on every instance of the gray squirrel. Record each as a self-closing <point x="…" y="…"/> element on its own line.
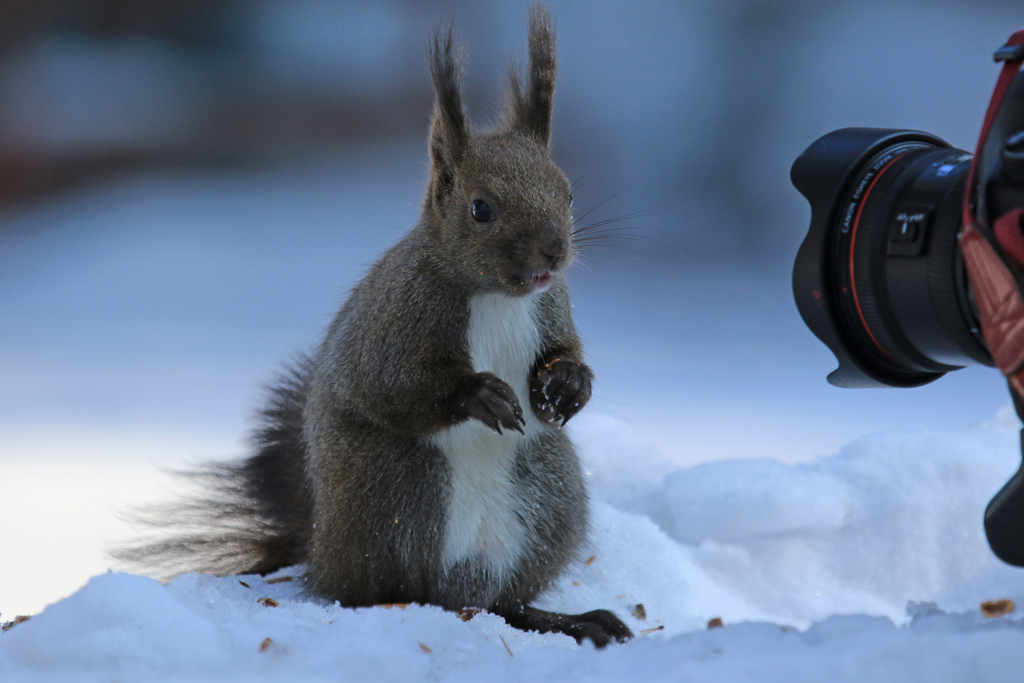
<point x="417" y="455"/>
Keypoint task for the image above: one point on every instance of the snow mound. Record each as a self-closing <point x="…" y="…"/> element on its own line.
<point x="893" y="518"/>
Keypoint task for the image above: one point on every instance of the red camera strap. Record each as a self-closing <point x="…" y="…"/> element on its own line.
<point x="996" y="288"/>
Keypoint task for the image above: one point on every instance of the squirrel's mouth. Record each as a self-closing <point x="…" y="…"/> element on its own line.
<point x="525" y="283"/>
<point x="541" y="280"/>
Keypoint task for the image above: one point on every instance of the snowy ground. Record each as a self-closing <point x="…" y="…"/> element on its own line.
<point x="729" y="480"/>
<point x="868" y="565"/>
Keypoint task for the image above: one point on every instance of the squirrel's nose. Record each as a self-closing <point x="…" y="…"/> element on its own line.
<point x="554" y="249"/>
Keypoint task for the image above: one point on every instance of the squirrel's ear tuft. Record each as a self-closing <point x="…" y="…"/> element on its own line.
<point x="449" y="133"/>
<point x="529" y="109"/>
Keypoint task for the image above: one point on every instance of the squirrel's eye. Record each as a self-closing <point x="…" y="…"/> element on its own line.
<point x="570" y="201"/>
<point x="482" y="212"/>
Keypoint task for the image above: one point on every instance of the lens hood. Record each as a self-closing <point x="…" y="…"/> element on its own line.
<point x="862" y="322"/>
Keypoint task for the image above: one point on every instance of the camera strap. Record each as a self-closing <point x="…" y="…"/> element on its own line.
<point x="995" y="259"/>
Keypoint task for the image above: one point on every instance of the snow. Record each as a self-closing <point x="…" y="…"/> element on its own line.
<point x="868" y="564"/>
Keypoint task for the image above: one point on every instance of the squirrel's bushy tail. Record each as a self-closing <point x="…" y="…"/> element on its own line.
<point x="250" y="516"/>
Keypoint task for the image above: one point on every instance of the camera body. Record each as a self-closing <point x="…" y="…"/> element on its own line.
<point x="882" y="278"/>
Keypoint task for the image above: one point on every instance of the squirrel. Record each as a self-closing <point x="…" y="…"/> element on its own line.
<point x="417" y="456"/>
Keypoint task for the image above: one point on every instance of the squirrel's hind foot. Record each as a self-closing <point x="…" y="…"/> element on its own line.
<point x="599" y="626"/>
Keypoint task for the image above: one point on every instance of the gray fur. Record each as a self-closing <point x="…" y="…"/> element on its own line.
<point x="355" y="472"/>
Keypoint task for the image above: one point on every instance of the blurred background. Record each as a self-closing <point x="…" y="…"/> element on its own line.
<point x="188" y="189"/>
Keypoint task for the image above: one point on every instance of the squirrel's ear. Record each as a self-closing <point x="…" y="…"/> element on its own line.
<point x="529" y="109"/>
<point x="449" y="134"/>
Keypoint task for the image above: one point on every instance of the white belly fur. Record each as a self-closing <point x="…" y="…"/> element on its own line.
<point x="504" y="339"/>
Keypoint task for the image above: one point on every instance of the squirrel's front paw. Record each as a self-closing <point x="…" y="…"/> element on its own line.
<point x="491" y="400"/>
<point x="559" y="388"/>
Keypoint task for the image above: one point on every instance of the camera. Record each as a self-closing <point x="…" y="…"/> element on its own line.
<point x="884" y="276"/>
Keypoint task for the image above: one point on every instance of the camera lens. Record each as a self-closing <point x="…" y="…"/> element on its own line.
<point x="879" y="277"/>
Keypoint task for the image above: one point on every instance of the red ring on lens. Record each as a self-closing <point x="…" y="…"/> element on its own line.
<point x="853" y="248"/>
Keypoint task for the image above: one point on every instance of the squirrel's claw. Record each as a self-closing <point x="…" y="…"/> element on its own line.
<point x="559" y="389"/>
<point x="492" y="401"/>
